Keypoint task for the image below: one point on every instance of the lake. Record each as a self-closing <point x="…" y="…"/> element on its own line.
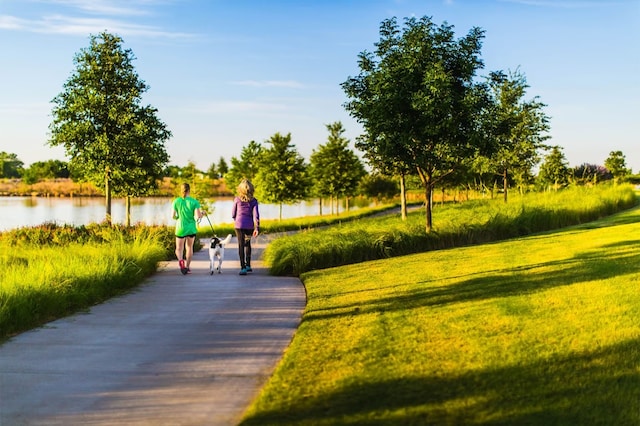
<point x="16" y="212"/>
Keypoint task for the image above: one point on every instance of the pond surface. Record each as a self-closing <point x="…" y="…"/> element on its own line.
<point x="16" y="212"/>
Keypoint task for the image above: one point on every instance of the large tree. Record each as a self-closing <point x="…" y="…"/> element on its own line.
<point x="335" y="169"/>
<point x="282" y="176"/>
<point x="515" y="126"/>
<point x="416" y="99"/>
<point x="115" y="141"/>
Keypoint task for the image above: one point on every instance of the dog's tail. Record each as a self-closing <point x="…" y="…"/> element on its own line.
<point x="226" y="240"/>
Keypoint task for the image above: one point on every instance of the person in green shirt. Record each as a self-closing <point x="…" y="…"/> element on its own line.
<point x="185" y="211"/>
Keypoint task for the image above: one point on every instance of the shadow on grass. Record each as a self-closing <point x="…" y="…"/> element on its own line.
<point x="598" y="387"/>
<point x="605" y="262"/>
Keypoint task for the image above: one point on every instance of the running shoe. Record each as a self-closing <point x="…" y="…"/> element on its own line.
<point x="243" y="271"/>
<point x="183" y="267"/>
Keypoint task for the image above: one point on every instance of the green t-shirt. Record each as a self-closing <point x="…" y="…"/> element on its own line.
<point x="186" y="222"/>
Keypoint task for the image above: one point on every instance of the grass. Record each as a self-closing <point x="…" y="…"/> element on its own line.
<point x="539" y="330"/>
<point x="473" y="222"/>
<point x="41" y="283"/>
<point x="274" y="226"/>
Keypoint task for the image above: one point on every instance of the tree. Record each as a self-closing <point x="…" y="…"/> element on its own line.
<point x="417" y="100"/>
<point x="10" y="165"/>
<point x="50" y="169"/>
<point x="590" y="174"/>
<point x="223" y="168"/>
<point x="554" y="170"/>
<point x="335" y="169"/>
<point x="515" y="126"/>
<point x="212" y="171"/>
<point x="245" y="167"/>
<point x="616" y="164"/>
<point x="282" y="175"/>
<point x="378" y="187"/>
<point x="115" y="141"/>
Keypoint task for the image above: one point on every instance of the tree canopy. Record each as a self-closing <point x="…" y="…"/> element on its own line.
<point x="282" y="176"/>
<point x="554" y="171"/>
<point x="336" y="170"/>
<point x="416" y="99"/>
<point x="517" y="127"/>
<point x="616" y="163"/>
<point x="246" y="166"/>
<point x="115" y="141"/>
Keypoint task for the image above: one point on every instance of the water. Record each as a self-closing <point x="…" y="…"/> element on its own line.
<point x="16" y="212"/>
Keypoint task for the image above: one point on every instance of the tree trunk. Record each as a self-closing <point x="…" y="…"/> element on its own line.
<point x="107" y="196"/>
<point x="280" y="216"/>
<point x="427" y="181"/>
<point x="128" y="211"/>
<point x="403" y="197"/>
<point x="505" y="185"/>
<point x="320" y="205"/>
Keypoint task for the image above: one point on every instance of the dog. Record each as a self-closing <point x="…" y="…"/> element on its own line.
<point x="216" y="252"/>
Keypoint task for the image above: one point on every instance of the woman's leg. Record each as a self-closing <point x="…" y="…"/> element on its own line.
<point x="240" y="237"/>
<point x="179" y="247"/>
<point x="189" y="248"/>
<point x="247" y="247"/>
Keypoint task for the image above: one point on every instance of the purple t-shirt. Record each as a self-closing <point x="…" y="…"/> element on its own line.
<point x="245" y="214"/>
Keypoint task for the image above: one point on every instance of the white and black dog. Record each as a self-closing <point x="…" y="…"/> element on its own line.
<point x="216" y="252"/>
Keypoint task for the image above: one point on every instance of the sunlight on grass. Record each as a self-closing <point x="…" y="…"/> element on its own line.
<point x="455" y="225"/>
<point x="38" y="284"/>
<point x="539" y="330"/>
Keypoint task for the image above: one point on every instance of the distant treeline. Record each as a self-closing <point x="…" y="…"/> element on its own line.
<point x="66" y="187"/>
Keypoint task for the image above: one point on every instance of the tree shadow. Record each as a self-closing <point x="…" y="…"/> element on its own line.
<point x="605" y="262"/>
<point x="596" y="387"/>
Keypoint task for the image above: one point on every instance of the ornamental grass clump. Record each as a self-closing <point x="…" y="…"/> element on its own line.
<point x="455" y="225"/>
<point x="42" y="283"/>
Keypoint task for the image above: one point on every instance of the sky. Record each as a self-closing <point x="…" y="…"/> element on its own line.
<point x="223" y="73"/>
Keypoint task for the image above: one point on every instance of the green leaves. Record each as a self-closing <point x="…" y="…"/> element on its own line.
<point x="414" y="98"/>
<point x="335" y="169"/>
<point x="99" y="120"/>
<point x="282" y="174"/>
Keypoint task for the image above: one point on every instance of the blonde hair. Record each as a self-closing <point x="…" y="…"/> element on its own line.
<point x="245" y="190"/>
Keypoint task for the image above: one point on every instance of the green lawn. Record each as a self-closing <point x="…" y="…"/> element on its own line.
<point x="540" y="330"/>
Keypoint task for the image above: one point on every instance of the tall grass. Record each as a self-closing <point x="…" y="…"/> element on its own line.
<point x="39" y="283"/>
<point x="274" y="226"/>
<point x="456" y="225"/>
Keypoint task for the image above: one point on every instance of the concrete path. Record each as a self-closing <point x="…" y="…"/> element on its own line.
<point x="179" y="350"/>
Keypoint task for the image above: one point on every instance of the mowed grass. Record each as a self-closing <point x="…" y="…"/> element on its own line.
<point x="539" y="330"/>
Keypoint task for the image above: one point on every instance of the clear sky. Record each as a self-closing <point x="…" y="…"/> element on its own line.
<point x="225" y="72"/>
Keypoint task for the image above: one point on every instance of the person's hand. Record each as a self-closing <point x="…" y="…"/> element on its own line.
<point x="255" y="232"/>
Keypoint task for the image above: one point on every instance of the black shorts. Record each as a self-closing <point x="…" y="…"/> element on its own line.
<point x="186" y="236"/>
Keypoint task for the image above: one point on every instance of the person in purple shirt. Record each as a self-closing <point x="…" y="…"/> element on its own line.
<point x="246" y="218"/>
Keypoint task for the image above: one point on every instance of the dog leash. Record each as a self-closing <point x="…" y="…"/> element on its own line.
<point x="213" y="232"/>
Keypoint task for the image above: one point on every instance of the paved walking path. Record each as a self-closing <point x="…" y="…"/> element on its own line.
<point x="179" y="350"/>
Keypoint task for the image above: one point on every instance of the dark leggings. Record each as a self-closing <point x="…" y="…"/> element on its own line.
<point x="244" y="246"/>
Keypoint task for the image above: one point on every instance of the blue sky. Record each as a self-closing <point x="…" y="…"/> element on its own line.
<point x="225" y="72"/>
